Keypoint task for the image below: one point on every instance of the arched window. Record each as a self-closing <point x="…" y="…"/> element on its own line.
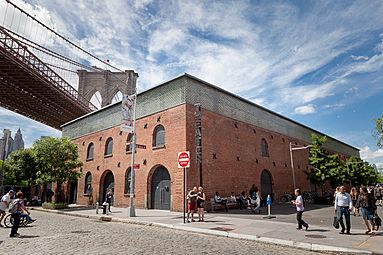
<point x="127" y="181"/>
<point x="159" y="136"/>
<point x="264" y="148"/>
<point x="89" y="152"/>
<point x="129" y="141"/>
<point x="88" y="184"/>
<point x="108" y="147"/>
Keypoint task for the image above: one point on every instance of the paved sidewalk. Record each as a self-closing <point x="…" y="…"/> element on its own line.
<point x="318" y="238"/>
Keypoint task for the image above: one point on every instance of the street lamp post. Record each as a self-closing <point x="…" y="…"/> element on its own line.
<point x="292" y="159"/>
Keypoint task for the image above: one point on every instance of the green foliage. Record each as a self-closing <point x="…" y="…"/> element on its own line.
<point x="318" y="157"/>
<point x="57" y="159"/>
<point x="379" y="131"/>
<point x="21" y="168"/>
<point x="50" y="160"/>
<point x="331" y="168"/>
<point x="51" y="206"/>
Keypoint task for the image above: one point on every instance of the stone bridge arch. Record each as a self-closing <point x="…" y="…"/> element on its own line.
<point x="107" y="83"/>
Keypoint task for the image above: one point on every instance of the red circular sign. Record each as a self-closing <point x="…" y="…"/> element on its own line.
<point x="183" y="159"/>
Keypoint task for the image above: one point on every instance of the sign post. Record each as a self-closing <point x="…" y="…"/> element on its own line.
<point x="184" y="162"/>
<point x="129" y="103"/>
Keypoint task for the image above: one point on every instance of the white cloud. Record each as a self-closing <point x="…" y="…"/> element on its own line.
<point x="359" y="57"/>
<point x="305" y="109"/>
<point x="367" y="154"/>
<point x="338" y="105"/>
<point x="261" y="50"/>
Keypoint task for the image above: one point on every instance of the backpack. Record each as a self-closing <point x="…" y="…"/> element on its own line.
<point x="14" y="206"/>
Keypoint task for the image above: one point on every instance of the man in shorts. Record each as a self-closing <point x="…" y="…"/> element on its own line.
<point x="192" y="203"/>
<point x="4" y="204"/>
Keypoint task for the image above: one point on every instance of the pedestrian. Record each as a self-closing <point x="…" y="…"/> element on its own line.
<point x="4" y="203"/>
<point x="109" y="198"/>
<point x="366" y="202"/>
<point x="299" y="203"/>
<point x="354" y="197"/>
<point x="201" y="204"/>
<point x="242" y="200"/>
<point x="337" y="190"/>
<point x="222" y="201"/>
<point x="192" y="203"/>
<point x="378" y="194"/>
<point x="16" y="209"/>
<point x="343" y="207"/>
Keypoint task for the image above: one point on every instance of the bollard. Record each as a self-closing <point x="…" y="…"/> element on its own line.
<point x="97" y="205"/>
<point x="104" y="208"/>
<point x="268" y="202"/>
<point x="107" y="208"/>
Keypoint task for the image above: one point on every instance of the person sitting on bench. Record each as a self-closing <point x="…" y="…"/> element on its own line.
<point x="219" y="200"/>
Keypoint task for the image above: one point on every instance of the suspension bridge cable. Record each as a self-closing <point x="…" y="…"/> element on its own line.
<point x="62" y="37"/>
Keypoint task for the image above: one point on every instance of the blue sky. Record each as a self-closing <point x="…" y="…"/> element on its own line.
<point x="317" y="62"/>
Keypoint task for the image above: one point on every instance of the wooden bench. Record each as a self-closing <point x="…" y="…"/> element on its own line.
<point x="230" y="204"/>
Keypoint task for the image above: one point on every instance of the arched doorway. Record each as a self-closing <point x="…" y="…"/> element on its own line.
<point x="73" y="192"/>
<point x="160" y="189"/>
<point x="106" y="182"/>
<point x="266" y="184"/>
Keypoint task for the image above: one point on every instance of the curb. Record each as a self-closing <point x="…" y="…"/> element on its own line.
<point x="267" y="240"/>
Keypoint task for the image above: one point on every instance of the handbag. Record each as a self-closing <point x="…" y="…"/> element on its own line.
<point x="377" y="221"/>
<point x="335" y="222"/>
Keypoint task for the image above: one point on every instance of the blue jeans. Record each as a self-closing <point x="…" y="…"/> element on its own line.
<point x="344" y="211"/>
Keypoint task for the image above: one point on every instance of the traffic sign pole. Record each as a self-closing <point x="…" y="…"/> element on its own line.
<point x="183" y="161"/>
<point x="184" y="184"/>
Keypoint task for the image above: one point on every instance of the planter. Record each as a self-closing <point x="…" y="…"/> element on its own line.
<point x="55" y="205"/>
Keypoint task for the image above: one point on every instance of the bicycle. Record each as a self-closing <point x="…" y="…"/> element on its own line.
<point x="286" y="197"/>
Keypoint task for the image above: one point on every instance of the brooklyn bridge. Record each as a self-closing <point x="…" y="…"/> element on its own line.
<point x="47" y="77"/>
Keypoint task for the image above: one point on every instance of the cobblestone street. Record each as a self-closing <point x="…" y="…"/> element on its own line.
<point x="58" y="234"/>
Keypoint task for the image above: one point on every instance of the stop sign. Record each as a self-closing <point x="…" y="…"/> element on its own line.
<point x="183" y="159"/>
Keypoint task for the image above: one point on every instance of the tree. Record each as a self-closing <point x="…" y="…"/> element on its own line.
<point x="336" y="168"/>
<point x="21" y="168"/>
<point x="331" y="168"/>
<point x="58" y="161"/>
<point x="379" y="131"/>
<point x="318" y="157"/>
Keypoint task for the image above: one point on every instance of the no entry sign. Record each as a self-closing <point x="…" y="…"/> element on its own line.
<point x="183" y="159"/>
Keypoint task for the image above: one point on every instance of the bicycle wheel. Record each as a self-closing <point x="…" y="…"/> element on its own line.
<point x="8" y="221"/>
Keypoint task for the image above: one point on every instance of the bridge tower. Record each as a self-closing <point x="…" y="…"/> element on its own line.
<point x="107" y="83"/>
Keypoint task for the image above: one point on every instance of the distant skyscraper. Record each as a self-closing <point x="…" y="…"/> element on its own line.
<point x="8" y="144"/>
<point x="18" y="141"/>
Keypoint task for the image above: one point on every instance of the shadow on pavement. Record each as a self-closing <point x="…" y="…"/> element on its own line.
<point x="26" y="236"/>
<point x="318" y="230"/>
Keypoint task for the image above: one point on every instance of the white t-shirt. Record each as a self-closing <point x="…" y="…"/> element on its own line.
<point x="299" y="201"/>
<point x="5" y="198"/>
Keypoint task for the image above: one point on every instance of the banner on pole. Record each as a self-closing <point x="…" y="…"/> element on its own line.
<point x="128" y="102"/>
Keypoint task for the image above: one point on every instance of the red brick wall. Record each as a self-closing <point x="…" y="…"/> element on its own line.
<point x="222" y="136"/>
<point x="226" y="174"/>
<point x="174" y="122"/>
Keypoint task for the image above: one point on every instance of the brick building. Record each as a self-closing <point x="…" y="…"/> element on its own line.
<point x="242" y="144"/>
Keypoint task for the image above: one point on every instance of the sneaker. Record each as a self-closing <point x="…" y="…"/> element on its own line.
<point x="15" y="235"/>
<point x="307" y="227"/>
<point x="298" y="228"/>
<point x="341" y="232"/>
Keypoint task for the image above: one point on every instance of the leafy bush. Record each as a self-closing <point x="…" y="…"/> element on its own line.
<point x="47" y="205"/>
